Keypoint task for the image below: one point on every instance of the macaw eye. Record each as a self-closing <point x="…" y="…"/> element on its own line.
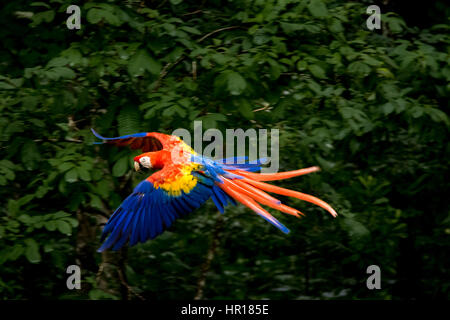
<point x="146" y="162"/>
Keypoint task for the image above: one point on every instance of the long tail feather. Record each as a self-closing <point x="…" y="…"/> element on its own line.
<point x="248" y="188"/>
<point x="291" y="193"/>
<point x="256" y="196"/>
<point x="252" y="192"/>
<point x="277" y="176"/>
<point x="238" y="182"/>
<point x="250" y="203"/>
<point x="274" y="205"/>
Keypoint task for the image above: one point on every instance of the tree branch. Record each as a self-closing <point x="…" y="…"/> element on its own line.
<point x="216" y="31"/>
<point x="209" y="257"/>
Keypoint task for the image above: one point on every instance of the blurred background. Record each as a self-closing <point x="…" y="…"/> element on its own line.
<point x="369" y="107"/>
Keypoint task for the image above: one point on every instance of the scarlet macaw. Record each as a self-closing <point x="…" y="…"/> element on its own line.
<point x="185" y="180"/>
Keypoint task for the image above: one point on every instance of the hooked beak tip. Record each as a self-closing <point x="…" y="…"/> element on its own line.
<point x="136" y="166"/>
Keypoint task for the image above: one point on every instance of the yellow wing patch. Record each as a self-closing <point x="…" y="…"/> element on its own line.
<point x="183" y="180"/>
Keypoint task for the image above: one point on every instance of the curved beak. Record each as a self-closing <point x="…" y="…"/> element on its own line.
<point x="137" y="167"/>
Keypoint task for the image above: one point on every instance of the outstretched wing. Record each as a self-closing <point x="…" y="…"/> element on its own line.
<point x="146" y="141"/>
<point x="154" y="205"/>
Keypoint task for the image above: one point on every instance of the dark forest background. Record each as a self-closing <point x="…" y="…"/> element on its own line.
<point x="369" y="107"/>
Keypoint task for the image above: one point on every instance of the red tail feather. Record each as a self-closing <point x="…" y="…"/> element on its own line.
<point x="272" y="204"/>
<point x="249" y="191"/>
<point x="276" y="176"/>
<point x="250" y="203"/>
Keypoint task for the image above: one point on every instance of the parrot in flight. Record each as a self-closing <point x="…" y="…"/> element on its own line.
<point x="185" y="180"/>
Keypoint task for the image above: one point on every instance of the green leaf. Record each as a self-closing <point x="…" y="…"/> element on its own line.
<point x="25" y="199"/>
<point x="210" y="120"/>
<point x="335" y="26"/>
<point x="396" y="25"/>
<point x="318" y="8"/>
<point x="32" y="251"/>
<point x="191" y="30"/>
<point x="315" y="87"/>
<point x="63" y="167"/>
<point x="61" y="214"/>
<point x="129" y="120"/>
<point x="96" y="202"/>
<point x="83" y="174"/>
<point x="103" y="188"/>
<point x="97" y="294"/>
<point x="437" y="115"/>
<point x="235" y="83"/>
<point x="245" y="108"/>
<point x="169" y="112"/>
<point x="354" y="228"/>
<point x="13" y="207"/>
<point x="64" y="227"/>
<point x="120" y="167"/>
<point x="291" y="27"/>
<point x="30" y="155"/>
<point x="45" y="16"/>
<point x="73" y="222"/>
<point x="6" y="163"/>
<point x="4" y="85"/>
<point x="388" y="108"/>
<point x="260" y="37"/>
<point x="384" y="72"/>
<point x="107" y="14"/>
<point x="359" y="68"/>
<point x="39" y="4"/>
<point x="60" y="72"/>
<point x="50" y="225"/>
<point x="71" y="175"/>
<point x="141" y="62"/>
<point x="275" y="68"/>
<point x="317" y="71"/>
<point x="58" y="62"/>
<point x="15" y="252"/>
<point x="94" y="15"/>
<point x="36" y="122"/>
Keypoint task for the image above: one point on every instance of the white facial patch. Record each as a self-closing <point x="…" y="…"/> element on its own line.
<point x="145" y="161"/>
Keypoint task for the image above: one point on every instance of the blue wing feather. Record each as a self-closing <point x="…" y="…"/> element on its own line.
<point x="217" y="203"/>
<point x="142" y="226"/>
<point x="134" y="238"/>
<point x="135" y="135"/>
<point x="147" y="212"/>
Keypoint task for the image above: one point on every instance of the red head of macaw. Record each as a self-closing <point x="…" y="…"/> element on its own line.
<point x="185" y="180"/>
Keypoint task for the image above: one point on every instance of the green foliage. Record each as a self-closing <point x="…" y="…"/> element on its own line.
<point x="369" y="107"/>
